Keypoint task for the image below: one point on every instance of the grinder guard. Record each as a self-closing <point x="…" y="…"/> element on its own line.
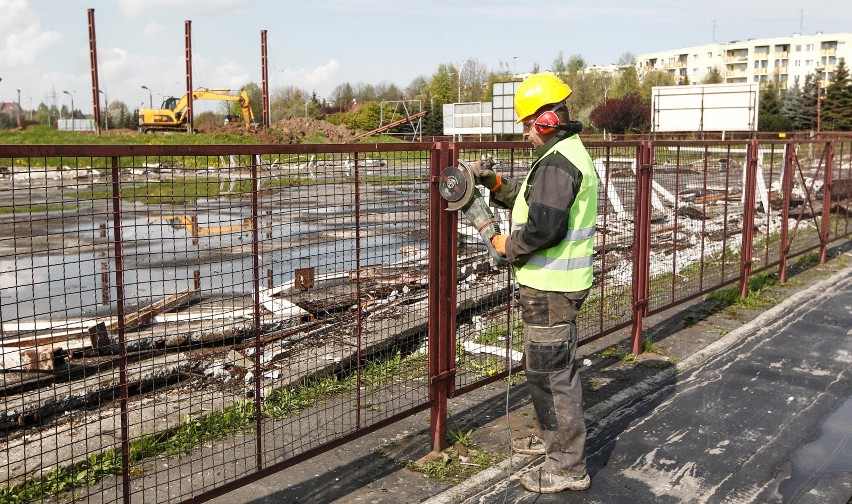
<point x="458" y="187"/>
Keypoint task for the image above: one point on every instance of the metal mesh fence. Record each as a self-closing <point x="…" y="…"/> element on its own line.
<point x="176" y="320"/>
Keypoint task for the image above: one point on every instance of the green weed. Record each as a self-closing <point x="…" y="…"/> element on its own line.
<point x="460" y="437"/>
<point x="614" y="352"/>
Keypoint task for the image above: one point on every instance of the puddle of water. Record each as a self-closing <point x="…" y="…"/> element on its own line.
<point x="830" y="453"/>
<point x="160" y="259"/>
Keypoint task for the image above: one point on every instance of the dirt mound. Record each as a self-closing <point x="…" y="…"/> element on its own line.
<point x="288" y="131"/>
<point x="300" y="127"/>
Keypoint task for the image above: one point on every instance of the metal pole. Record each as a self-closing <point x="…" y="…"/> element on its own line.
<point x="749" y="189"/>
<point x="93" y="59"/>
<point x="106" y="106"/>
<point x="20" y="115"/>
<point x="264" y="70"/>
<point x="826" y="202"/>
<point x="150" y="97"/>
<point x="188" y="41"/>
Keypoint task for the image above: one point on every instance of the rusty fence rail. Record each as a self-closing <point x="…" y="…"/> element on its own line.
<point x="235" y="310"/>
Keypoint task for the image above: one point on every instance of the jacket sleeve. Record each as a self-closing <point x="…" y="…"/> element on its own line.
<point x="550" y="195"/>
<point x="505" y="195"/>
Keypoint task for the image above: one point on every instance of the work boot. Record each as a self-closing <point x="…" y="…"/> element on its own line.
<point x="528" y="445"/>
<point x="540" y="481"/>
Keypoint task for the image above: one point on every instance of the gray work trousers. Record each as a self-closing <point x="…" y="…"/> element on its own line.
<point x="550" y="347"/>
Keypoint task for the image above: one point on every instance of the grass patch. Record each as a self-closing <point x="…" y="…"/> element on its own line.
<point x="194" y="432"/>
<point x="756" y="297"/>
<point x="807" y="259"/>
<point x="456" y="464"/>
<point x="617" y="353"/>
<point x="31" y="209"/>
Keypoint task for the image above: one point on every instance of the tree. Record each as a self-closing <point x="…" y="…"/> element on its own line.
<point x="627" y="83"/>
<point x="807" y="118"/>
<point x="770" y="117"/>
<point x="342" y="97"/>
<point x="652" y="79"/>
<point x="837" y="104"/>
<point x="441" y="86"/>
<point x="473" y="75"/>
<point x="627" y="58"/>
<point x="622" y="115"/>
<point x="792" y="106"/>
<point x="714" y="76"/>
<point x="287" y="103"/>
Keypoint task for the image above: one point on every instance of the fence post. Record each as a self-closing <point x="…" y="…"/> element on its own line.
<point x="749" y="189"/>
<point x="641" y="242"/>
<point x="786" y="195"/>
<point x="826" y="202"/>
<point x="118" y="246"/>
<point x="255" y="252"/>
<point x="442" y="297"/>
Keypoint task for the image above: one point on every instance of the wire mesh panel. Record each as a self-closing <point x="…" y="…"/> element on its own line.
<point x="489" y="329"/>
<point x="809" y="165"/>
<point x="841" y="189"/>
<point x="696" y="219"/>
<point x="608" y="306"/>
<point x="769" y="204"/>
<point x="173" y="323"/>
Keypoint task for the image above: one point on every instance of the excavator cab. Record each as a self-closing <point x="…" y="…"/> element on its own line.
<point x="169" y="103"/>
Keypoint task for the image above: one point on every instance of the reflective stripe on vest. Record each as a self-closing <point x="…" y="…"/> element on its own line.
<point x="568" y="265"/>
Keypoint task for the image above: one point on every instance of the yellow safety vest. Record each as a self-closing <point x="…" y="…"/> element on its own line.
<point x="567" y="266"/>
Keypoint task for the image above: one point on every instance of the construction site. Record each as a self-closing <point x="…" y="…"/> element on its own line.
<point x="179" y="321"/>
<point x="147" y="292"/>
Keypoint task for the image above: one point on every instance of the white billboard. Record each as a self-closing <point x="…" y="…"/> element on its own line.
<point x="473" y="118"/>
<point x="503" y="108"/>
<point x="706" y="107"/>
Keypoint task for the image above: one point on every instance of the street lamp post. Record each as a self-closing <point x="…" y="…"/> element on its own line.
<point x="20" y="116"/>
<point x="150" y="97"/>
<point x="106" y="108"/>
<point x="72" y="109"/>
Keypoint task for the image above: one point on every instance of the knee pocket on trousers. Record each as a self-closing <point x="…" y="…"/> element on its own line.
<point x="548" y="357"/>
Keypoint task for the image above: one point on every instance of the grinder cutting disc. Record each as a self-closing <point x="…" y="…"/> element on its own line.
<point x="456" y="186"/>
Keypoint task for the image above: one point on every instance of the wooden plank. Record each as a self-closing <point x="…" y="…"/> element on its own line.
<point x="146" y="314"/>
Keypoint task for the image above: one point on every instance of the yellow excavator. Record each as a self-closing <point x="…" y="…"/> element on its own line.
<point x="172" y="115"/>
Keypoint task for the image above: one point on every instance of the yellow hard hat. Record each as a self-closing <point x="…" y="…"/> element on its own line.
<point x="538" y="90"/>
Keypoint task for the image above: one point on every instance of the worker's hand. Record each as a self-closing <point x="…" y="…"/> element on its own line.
<point x="499" y="242"/>
<point x="483" y="174"/>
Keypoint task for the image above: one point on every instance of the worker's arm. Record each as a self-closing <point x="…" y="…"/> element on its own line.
<point x="551" y="194"/>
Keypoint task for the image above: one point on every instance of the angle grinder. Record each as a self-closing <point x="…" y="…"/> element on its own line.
<point x="458" y="187"/>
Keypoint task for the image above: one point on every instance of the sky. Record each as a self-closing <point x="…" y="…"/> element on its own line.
<point x="318" y="44"/>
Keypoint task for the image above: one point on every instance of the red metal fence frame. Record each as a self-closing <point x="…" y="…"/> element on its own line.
<point x="442" y="265"/>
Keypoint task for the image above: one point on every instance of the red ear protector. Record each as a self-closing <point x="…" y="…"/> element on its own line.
<point x="547" y="122"/>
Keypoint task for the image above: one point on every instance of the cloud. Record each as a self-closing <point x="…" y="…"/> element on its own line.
<point x="179" y="9"/>
<point x="229" y="75"/>
<point x="154" y="32"/>
<point x="23" y="37"/>
<point x="311" y="78"/>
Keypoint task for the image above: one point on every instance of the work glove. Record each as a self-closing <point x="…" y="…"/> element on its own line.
<point x="499" y="242"/>
<point x="484" y="174"/>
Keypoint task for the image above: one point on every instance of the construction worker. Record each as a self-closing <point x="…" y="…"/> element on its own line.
<point x="554" y="212"/>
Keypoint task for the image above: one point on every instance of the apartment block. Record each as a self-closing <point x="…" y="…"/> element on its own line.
<point x="780" y="59"/>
